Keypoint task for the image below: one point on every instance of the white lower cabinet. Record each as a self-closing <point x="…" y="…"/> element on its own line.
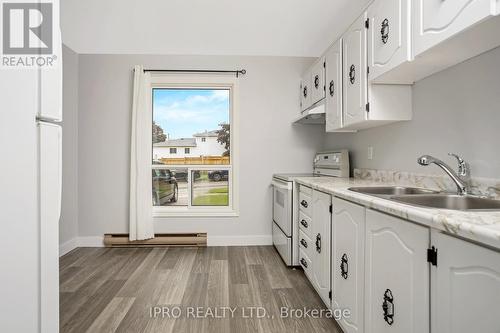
<point x="465" y="287"/>
<point x="320" y="257"/>
<point x="396" y="275"/>
<point x="348" y="238"/>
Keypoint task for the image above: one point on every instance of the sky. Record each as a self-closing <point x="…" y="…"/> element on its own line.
<point x="184" y="112"/>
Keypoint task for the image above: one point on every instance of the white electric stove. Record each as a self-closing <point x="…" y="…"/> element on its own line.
<point x="285" y="206"/>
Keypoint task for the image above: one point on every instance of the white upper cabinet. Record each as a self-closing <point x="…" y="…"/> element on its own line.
<point x="465" y="287"/>
<point x="355" y="76"/>
<point x="305" y="91"/>
<point x="396" y="275"/>
<point x="348" y="260"/>
<point x="320" y="257"/>
<point x="368" y="105"/>
<point x="389" y="37"/>
<point x="438" y="20"/>
<point x="333" y="60"/>
<point x="318" y="81"/>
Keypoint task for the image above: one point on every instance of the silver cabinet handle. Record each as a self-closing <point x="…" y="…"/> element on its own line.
<point x="303" y="242"/>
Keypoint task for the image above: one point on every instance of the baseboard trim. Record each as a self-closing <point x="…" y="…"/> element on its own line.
<point x="91" y="241"/>
<point x="98" y="241"/>
<point x="240" y="240"/>
<point x="68" y="246"/>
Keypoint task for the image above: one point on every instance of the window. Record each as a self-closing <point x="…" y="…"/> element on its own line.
<point x="186" y="113"/>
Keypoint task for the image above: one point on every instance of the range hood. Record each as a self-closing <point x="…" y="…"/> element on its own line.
<point x="315" y="115"/>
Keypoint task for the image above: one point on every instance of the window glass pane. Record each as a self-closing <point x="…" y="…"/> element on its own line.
<point x="196" y="121"/>
<point x="210" y="188"/>
<point x="170" y="187"/>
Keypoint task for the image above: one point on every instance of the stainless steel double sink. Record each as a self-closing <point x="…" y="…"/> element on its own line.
<point x="429" y="198"/>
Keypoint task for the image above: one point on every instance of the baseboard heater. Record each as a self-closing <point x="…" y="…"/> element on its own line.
<point x="160" y="240"/>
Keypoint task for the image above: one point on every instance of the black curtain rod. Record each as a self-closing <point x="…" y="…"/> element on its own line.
<point x="237" y="72"/>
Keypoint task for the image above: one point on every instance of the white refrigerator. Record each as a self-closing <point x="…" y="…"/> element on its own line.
<point x="30" y="195"/>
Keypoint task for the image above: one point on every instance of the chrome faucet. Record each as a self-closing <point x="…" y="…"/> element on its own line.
<point x="461" y="179"/>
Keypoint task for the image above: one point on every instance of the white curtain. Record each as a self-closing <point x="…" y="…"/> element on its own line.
<point x="141" y="219"/>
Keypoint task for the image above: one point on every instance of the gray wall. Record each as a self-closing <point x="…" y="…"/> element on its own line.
<point x="268" y="141"/>
<point x="456" y="110"/>
<point x="68" y="224"/>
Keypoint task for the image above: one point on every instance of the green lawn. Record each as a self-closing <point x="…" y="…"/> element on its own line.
<point x="219" y="190"/>
<point x="211" y="199"/>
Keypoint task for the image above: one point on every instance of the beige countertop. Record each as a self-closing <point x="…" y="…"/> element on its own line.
<point x="481" y="227"/>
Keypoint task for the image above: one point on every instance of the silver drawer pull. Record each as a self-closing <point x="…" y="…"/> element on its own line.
<point x="303" y="262"/>
<point x="303" y="242"/>
<point x="304" y="223"/>
<point x="304" y="203"/>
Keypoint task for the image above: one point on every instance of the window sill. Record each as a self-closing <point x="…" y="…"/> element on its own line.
<point x="184" y="212"/>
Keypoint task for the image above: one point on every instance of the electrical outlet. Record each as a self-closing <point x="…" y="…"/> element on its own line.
<point x="370" y="153"/>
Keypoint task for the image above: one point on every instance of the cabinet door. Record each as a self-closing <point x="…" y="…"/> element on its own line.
<point x="355" y="76"/>
<point x="318" y="81"/>
<point x="348" y="238"/>
<point x="465" y="287"/>
<point x="321" y="221"/>
<point x="389" y="35"/>
<point x="396" y="275"/>
<point x="437" y="20"/>
<point x="50" y="165"/>
<point x="305" y="91"/>
<point x="333" y="61"/>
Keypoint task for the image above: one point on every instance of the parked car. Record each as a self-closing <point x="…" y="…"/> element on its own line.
<point x="218" y="175"/>
<point x="165" y="188"/>
<point x="182" y="174"/>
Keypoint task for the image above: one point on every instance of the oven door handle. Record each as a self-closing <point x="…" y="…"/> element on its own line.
<point x="282" y="186"/>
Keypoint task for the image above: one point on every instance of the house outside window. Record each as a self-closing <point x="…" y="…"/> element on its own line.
<point x="198" y="116"/>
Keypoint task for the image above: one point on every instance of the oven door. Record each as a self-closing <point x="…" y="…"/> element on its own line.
<point x="282" y="205"/>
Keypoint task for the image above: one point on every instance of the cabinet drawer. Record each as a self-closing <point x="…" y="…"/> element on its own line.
<point x="306" y="263"/>
<point x="306" y="245"/>
<point x="305" y="224"/>
<point x="438" y="20"/>
<point x="306" y="190"/>
<point x="305" y="203"/>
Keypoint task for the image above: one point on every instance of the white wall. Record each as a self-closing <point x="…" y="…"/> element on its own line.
<point x="268" y="103"/>
<point x="457" y="110"/>
<point x="68" y="224"/>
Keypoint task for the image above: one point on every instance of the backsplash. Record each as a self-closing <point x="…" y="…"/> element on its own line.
<point x="479" y="186"/>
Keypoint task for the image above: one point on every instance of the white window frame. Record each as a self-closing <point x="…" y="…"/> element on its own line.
<point x="189" y="81"/>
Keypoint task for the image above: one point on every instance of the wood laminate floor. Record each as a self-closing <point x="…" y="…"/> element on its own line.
<point x="119" y="290"/>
